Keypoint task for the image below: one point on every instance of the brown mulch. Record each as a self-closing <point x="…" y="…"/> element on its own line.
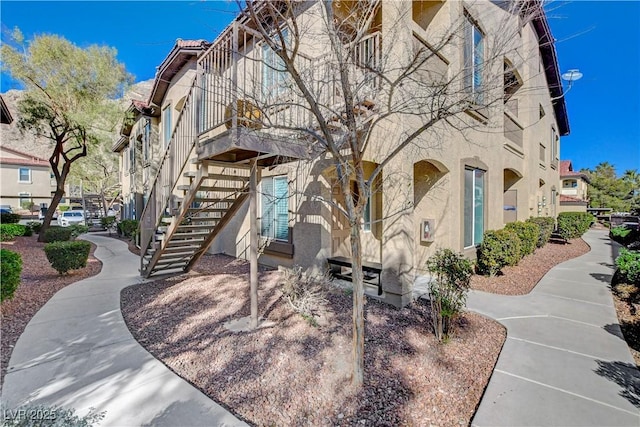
<point x="626" y="298"/>
<point x="38" y="283"/>
<point x="293" y="373"/>
<point x="522" y="278"/>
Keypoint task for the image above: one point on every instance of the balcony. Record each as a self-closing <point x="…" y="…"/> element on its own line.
<point x="248" y="106"/>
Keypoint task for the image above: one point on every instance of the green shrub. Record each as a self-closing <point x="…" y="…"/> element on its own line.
<point x="10" y="269"/>
<point x="35" y="226"/>
<point x="546" y="225"/>
<point x="451" y="274"/>
<point x="57" y="234"/>
<point x="528" y="233"/>
<point x="78" y="229"/>
<point x="65" y="256"/>
<point x="628" y="263"/>
<point x="624" y="235"/>
<point x="10" y="231"/>
<point x="572" y="225"/>
<point x="9" y="218"/>
<point x="128" y="228"/>
<point x="498" y="249"/>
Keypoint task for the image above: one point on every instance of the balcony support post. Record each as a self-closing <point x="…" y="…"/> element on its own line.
<point x="253" y="242"/>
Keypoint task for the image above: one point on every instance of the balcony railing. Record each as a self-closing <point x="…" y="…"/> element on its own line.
<point x="243" y="83"/>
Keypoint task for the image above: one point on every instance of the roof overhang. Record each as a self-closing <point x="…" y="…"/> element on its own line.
<point x="182" y="52"/>
<point x="550" y="61"/>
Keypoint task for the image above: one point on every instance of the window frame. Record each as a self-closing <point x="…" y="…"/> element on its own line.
<point x="166" y="125"/>
<point x="473" y="59"/>
<point x="272" y="232"/>
<point x="29" y="180"/>
<point x="475" y="234"/>
<point x="271" y="63"/>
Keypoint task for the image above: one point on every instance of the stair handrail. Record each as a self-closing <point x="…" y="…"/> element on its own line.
<point x="166" y="178"/>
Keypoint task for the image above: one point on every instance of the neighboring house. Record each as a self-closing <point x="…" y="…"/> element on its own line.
<point x="143" y="140"/>
<point x="5" y="114"/>
<point x="573" y="189"/>
<point x="445" y="197"/>
<point x="24" y="179"/>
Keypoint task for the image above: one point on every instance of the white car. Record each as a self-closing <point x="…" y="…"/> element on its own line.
<point x="68" y="218"/>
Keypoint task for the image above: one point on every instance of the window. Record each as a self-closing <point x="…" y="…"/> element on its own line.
<point x="473" y="59"/>
<point x="146" y="142"/>
<point x="274" y="75"/>
<point x="473" y="206"/>
<point x="24" y="175"/>
<point x="132" y="156"/>
<point x="555" y="142"/>
<point x="275" y="208"/>
<point x="366" y="213"/>
<point x="166" y="123"/>
<point x="25" y="200"/>
<point x="570" y="183"/>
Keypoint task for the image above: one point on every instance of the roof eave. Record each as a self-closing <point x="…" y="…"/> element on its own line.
<point x="550" y="60"/>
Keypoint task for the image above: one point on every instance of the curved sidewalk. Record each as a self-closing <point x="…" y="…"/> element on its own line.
<point x="564" y="362"/>
<point x="77" y="352"/>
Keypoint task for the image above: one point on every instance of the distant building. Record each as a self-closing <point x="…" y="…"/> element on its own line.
<point x="573" y="189"/>
<point x="24" y="178"/>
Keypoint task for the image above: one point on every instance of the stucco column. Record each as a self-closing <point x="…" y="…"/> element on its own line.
<point x="398" y="232"/>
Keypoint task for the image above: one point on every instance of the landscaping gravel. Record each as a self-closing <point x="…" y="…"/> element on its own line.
<point x="294" y="374"/>
<point x="522" y="278"/>
<point x="38" y="283"/>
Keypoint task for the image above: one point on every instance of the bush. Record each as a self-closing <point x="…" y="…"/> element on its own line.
<point x="305" y="294"/>
<point x="78" y="229"/>
<point x="65" y="256"/>
<point x="128" y="228"/>
<point x="498" y="249"/>
<point x="546" y="225"/>
<point x="528" y="233"/>
<point x="57" y="234"/>
<point x="448" y="289"/>
<point x="10" y="269"/>
<point x="108" y="222"/>
<point x="624" y="235"/>
<point x="628" y="263"/>
<point x="572" y="225"/>
<point x="35" y="226"/>
<point x="9" y="218"/>
<point x="10" y="231"/>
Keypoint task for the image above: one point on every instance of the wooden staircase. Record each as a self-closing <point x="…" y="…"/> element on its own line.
<point x="211" y="196"/>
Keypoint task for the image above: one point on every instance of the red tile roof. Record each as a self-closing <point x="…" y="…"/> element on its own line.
<point x="566" y="170"/>
<point x="570" y="199"/>
<point x="28" y="160"/>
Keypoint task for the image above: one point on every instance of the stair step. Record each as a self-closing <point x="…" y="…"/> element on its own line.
<point x="189" y="235"/>
<point x="209" y="209"/>
<point x="182" y="261"/>
<point x="212" y="188"/>
<point x="176" y="243"/>
<point x="213" y="200"/>
<point x="219" y="176"/>
<point x="176" y="249"/>
<point x="197" y="227"/>
<point x="177" y="252"/>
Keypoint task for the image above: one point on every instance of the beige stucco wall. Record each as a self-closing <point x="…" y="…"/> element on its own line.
<point x="426" y="180"/>
<point x="39" y="187"/>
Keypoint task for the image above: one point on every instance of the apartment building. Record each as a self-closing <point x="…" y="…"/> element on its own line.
<point x="459" y="104"/>
<point x="25" y="179"/>
<point x="573" y="189"/>
<point x="145" y="134"/>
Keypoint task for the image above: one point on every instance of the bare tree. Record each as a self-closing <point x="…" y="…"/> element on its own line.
<point x="331" y="78"/>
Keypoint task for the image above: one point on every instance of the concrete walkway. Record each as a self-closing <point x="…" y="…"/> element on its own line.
<point x="564" y="362"/>
<point x="78" y="353"/>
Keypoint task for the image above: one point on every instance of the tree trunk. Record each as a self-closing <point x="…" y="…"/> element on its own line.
<point x="358" y="306"/>
<point x="55" y="201"/>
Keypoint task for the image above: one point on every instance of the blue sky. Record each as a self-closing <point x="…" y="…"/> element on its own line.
<point x="600" y="38"/>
